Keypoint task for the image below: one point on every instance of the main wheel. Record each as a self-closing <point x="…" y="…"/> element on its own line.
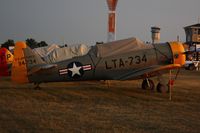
<point x="161" y="88"/>
<point x="147" y="84"/>
<point x="191" y="67"/>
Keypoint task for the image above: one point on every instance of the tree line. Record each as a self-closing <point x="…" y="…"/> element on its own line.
<point x="32" y="43"/>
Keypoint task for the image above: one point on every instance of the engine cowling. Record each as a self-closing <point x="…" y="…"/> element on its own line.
<point x="178" y="53"/>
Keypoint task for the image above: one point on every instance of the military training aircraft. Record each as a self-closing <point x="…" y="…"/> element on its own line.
<point x="119" y="60"/>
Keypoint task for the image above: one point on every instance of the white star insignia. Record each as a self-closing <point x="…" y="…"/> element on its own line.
<point x="75" y="70"/>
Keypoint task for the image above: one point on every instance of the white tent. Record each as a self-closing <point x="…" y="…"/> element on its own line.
<point x="44" y="51"/>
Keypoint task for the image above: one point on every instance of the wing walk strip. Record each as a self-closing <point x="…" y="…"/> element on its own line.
<point x="65" y="71"/>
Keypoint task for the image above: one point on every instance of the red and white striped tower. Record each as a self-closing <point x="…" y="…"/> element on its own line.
<point x="111" y="19"/>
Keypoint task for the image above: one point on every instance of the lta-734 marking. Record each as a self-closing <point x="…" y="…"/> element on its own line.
<point x="129" y="61"/>
<point x="119" y="60"/>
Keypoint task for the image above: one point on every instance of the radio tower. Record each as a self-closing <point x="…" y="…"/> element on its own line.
<point x="111" y="19"/>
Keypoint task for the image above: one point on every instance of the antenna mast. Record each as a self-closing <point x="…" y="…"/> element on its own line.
<point x="111" y="19"/>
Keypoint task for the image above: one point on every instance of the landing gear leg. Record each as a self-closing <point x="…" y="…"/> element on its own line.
<point x="108" y="83"/>
<point x="148" y="84"/>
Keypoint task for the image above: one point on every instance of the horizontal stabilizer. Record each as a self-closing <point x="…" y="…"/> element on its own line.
<point x="39" y="68"/>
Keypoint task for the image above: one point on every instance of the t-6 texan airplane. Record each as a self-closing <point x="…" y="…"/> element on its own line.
<point x="119" y="60"/>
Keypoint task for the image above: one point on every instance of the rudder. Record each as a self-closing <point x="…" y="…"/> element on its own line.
<point x="19" y="69"/>
<point x="24" y="60"/>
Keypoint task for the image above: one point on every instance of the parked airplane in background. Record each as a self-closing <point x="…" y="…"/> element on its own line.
<point x="6" y="59"/>
<point x="119" y="60"/>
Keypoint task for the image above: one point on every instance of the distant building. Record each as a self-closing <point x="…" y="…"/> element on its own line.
<point x="155" y="34"/>
<point x="192" y="34"/>
<point x="193" y="38"/>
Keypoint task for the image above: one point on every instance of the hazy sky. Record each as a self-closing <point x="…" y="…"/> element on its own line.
<point x="85" y="21"/>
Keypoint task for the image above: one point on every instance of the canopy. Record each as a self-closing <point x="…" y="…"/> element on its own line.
<point x="121" y="46"/>
<point x="64" y="53"/>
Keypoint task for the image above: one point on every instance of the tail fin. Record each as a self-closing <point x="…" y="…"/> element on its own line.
<point x="6" y="59"/>
<point x="24" y="60"/>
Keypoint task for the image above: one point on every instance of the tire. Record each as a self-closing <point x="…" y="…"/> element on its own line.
<point x="191" y="67"/>
<point x="161" y="88"/>
<point x="145" y="85"/>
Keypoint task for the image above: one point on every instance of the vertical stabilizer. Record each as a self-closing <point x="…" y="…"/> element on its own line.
<point x="24" y="60"/>
<point x="19" y="68"/>
<point x="32" y="59"/>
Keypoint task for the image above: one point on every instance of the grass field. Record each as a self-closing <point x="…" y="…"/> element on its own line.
<point x="93" y="107"/>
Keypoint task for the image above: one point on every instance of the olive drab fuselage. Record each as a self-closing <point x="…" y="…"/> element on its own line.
<point x="91" y="67"/>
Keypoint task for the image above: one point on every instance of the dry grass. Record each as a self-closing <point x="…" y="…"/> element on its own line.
<point x="93" y="107"/>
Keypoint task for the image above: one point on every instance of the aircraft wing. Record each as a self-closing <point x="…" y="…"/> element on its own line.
<point x="39" y="68"/>
<point x="147" y="72"/>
